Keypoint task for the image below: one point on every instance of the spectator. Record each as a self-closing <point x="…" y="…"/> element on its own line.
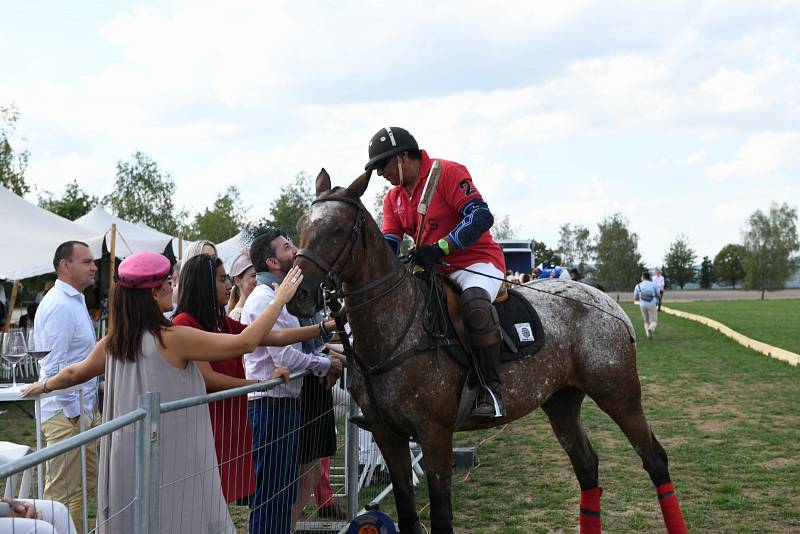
<point x="275" y="414"/>
<point x="64" y="319"/>
<point x="23" y="516"/>
<point x="660" y="283"/>
<point x="176" y="274"/>
<point x="202" y="306"/>
<point x="574" y="275"/>
<point x="202" y="246"/>
<point x="152" y="355"/>
<point x="526" y="278"/>
<point x="27" y="320"/>
<point x="48" y="285"/>
<point x="646" y="294"/>
<point x="542" y="271"/>
<point x="244" y="281"/>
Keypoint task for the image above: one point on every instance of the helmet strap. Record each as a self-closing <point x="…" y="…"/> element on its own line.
<point x="400" y="170"/>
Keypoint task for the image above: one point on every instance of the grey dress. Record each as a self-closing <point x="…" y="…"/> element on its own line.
<point x="191" y="493"/>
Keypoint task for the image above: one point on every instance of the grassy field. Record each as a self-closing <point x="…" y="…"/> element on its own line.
<point x="776" y="322"/>
<point x="728" y="417"/>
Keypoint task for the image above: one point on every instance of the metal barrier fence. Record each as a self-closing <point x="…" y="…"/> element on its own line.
<point x="356" y="469"/>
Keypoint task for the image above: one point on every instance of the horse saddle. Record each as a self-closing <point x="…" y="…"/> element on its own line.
<point x="520" y="327"/>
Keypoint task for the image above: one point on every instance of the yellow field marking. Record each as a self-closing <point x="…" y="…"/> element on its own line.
<point x="758" y="346"/>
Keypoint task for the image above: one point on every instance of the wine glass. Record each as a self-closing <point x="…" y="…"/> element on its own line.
<point x="13" y="350"/>
<point x="38" y="346"/>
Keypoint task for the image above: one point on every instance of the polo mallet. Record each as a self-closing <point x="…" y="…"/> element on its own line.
<point x="427" y="196"/>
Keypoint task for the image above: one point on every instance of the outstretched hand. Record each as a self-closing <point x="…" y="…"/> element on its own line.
<point x="287" y="289"/>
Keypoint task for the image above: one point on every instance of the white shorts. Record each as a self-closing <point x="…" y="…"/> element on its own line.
<point x="466" y="279"/>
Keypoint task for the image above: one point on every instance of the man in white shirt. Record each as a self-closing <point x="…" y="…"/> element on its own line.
<point x="275" y="414"/>
<point x="660" y="283"/>
<point x="63" y="318"/>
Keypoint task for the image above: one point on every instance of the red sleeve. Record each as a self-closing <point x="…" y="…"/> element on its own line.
<point x="234" y="327"/>
<point x="458" y="188"/>
<point x="185" y="319"/>
<point x="391" y="222"/>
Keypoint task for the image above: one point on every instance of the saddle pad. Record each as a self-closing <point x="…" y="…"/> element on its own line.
<point x="521" y="326"/>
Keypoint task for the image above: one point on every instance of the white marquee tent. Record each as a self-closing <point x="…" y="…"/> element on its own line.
<point x="131" y="237"/>
<point x="29" y="236"/>
<point x="229" y="249"/>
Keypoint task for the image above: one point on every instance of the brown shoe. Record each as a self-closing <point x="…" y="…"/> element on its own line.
<point x="332" y="511"/>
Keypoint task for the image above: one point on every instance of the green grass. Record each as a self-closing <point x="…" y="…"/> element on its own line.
<point x="776" y="322"/>
<point x="728" y="417"/>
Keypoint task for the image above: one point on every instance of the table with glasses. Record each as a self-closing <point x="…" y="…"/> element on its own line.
<point x="25" y="347"/>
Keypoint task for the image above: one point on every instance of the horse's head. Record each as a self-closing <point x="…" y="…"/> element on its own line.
<point x="331" y="243"/>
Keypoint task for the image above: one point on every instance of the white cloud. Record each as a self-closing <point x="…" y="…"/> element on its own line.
<point x="733" y="90"/>
<point x="763" y="154"/>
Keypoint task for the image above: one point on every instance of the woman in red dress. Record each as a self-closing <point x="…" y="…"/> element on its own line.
<point x="205" y="289"/>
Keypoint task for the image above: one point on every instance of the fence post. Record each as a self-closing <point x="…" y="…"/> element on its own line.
<point x="148" y="465"/>
<point x="351" y="460"/>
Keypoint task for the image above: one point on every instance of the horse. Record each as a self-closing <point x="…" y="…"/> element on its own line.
<point x="407" y="389"/>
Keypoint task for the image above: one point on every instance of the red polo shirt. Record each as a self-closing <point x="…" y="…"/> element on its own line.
<point x="454" y="190"/>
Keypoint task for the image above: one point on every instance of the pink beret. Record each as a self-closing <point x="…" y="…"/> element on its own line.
<point x="241" y="263"/>
<point x="143" y="270"/>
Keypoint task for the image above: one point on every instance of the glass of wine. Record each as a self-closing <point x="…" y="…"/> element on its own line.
<point x="13" y="350"/>
<point x="38" y="347"/>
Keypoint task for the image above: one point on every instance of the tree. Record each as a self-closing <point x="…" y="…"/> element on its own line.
<point x="679" y="262"/>
<point x="770" y="239"/>
<point x="12" y="166"/>
<point x="729" y="264"/>
<point x="542" y="253"/>
<point x="502" y="229"/>
<point x="73" y="204"/>
<point x="707" y="274"/>
<point x="293" y="200"/>
<point x="618" y="258"/>
<point x="222" y="221"/>
<point x="575" y="246"/>
<point x="142" y="193"/>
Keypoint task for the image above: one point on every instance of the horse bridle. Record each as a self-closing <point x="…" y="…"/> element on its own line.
<point x="333" y="291"/>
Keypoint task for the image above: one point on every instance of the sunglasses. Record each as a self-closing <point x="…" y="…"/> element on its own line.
<point x="381" y="164"/>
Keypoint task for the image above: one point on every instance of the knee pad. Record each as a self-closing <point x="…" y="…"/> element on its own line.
<point x="480" y="317"/>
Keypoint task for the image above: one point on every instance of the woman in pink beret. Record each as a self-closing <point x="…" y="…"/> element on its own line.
<point x="145" y="352"/>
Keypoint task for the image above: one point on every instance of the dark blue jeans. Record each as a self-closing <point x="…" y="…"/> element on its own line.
<point x="275" y="426"/>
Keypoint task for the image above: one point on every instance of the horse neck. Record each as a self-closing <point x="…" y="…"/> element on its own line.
<point x="378" y="325"/>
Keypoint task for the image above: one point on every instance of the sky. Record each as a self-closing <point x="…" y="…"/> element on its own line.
<point x="682" y="116"/>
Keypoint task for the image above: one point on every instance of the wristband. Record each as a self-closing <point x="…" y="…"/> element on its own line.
<point x="322" y="329"/>
<point x="444" y="245"/>
<point x="44" y="386"/>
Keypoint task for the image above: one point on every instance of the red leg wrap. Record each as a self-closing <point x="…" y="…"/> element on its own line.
<point x="670" y="509"/>
<point x="590" y="511"/>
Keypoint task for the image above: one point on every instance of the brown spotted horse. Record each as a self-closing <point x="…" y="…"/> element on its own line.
<point x="408" y="389"/>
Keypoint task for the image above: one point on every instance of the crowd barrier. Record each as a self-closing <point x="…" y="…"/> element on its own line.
<point x="164" y="435"/>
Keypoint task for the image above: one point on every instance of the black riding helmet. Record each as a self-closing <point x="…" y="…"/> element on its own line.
<point x="388" y="142"/>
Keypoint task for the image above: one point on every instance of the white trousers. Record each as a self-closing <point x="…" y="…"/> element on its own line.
<point x="650" y="317"/>
<point x="466" y="279"/>
<point x="55" y="520"/>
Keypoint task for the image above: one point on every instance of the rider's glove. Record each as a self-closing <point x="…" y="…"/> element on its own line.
<point x="427" y="256"/>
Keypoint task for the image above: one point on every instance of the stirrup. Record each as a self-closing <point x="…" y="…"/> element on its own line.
<point x="496" y="403"/>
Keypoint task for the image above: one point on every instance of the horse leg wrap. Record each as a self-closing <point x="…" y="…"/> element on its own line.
<point x="590" y="511"/>
<point x="670" y="509"/>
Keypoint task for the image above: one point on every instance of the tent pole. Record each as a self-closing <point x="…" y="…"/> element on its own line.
<point x="111" y="267"/>
<point x="180" y="247"/>
<point x="11" y="303"/>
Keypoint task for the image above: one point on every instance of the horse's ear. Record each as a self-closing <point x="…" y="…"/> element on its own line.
<point x="323" y="181"/>
<point x="359" y="185"/>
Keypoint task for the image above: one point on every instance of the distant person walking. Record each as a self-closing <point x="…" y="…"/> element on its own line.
<point x="646" y="294"/>
<point x="659" y="281"/>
